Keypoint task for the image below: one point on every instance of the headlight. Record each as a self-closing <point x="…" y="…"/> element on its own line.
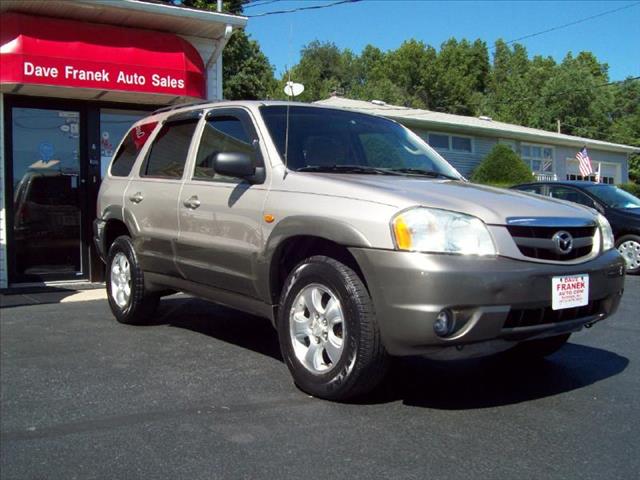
<point x="431" y="230"/>
<point x="605" y="232"/>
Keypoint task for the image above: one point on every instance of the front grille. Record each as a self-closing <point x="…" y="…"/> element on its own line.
<point x="535" y="242"/>
<point x="529" y="317"/>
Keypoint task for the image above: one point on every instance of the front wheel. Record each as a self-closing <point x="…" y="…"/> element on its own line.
<point x="629" y="248"/>
<point x="328" y="332"/>
<point x="129" y="301"/>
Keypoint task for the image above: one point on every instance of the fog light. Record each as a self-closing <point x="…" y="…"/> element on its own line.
<point x="444" y="323"/>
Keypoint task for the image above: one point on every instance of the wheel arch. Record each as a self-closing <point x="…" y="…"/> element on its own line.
<point x="297" y="238"/>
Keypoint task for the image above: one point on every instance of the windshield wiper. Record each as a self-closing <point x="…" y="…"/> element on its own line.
<point x="347" y="169"/>
<point x="426" y="173"/>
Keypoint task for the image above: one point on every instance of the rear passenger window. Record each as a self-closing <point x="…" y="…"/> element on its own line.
<point x="225" y="133"/>
<point x="169" y="151"/>
<point x="130" y="148"/>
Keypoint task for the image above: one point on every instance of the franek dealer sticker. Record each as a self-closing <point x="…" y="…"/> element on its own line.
<point x="570" y="291"/>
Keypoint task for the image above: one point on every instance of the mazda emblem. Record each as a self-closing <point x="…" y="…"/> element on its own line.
<point x="563" y="242"/>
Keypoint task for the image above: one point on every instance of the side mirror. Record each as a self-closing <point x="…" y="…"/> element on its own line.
<point x="234" y="164"/>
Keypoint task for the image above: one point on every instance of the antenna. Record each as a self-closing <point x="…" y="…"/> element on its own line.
<point x="291" y="90"/>
<point x="288" y="92"/>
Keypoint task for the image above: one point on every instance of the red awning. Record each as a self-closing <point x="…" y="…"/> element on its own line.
<point x="66" y="53"/>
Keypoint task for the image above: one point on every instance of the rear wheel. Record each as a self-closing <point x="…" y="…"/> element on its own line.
<point x="629" y="248"/>
<point x="129" y="301"/>
<point x="537" y="349"/>
<point x="328" y="332"/>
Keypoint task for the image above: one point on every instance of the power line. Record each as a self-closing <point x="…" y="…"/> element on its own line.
<point x="559" y="94"/>
<point x="442" y="109"/>
<point x="259" y="3"/>
<point x="299" y="9"/>
<point x="575" y="22"/>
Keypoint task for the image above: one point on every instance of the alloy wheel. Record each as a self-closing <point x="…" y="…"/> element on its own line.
<point x="120" y="280"/>
<point x="317" y="328"/>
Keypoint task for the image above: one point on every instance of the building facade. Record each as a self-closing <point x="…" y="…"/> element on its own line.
<point x="74" y="76"/>
<point x="466" y="141"/>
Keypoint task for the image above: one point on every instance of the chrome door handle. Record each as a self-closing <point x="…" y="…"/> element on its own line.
<point x="136" y="197"/>
<point x="192" y="203"/>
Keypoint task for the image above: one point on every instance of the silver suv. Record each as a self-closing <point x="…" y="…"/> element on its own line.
<point x="354" y="237"/>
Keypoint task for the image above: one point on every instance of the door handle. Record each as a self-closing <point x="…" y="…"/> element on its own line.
<point x="136" y="197"/>
<point x="192" y="203"/>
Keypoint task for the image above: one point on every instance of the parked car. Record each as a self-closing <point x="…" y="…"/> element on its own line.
<point x="621" y="208"/>
<point x="353" y="236"/>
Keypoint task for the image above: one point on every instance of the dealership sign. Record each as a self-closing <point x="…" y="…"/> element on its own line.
<point x="45" y="51"/>
<point x="97" y="76"/>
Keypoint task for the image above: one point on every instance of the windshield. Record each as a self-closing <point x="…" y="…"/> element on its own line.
<point x="613" y="196"/>
<point x="337" y="141"/>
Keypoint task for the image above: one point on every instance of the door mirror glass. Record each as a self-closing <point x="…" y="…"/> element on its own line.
<point x="234" y="164"/>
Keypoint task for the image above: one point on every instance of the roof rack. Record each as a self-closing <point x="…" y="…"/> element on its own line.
<point x="182" y="105"/>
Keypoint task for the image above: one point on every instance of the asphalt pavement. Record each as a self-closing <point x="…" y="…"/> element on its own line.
<point x="203" y="394"/>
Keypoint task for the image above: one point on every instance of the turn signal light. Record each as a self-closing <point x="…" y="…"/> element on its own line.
<point x="402" y="232"/>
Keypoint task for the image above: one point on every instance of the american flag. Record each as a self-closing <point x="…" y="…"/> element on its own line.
<point x="585" y="162"/>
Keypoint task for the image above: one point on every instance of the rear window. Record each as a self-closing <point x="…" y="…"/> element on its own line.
<point x="130" y="148"/>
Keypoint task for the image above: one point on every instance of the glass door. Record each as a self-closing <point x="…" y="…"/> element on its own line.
<point x="48" y="192"/>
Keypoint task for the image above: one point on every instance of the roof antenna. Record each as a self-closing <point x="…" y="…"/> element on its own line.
<point x="291" y="90"/>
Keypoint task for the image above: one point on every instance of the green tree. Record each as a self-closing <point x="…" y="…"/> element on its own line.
<point x="502" y="166"/>
<point x="322" y="69"/>
<point x="461" y="77"/>
<point x="626" y="121"/>
<point x="371" y="78"/>
<point x="246" y="71"/>
<point x="411" y="67"/>
<point x="509" y="95"/>
<point x="575" y="96"/>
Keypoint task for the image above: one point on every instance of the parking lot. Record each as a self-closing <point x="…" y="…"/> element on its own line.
<point x="203" y="394"/>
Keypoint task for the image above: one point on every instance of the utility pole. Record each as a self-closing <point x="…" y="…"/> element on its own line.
<point x="558" y="123"/>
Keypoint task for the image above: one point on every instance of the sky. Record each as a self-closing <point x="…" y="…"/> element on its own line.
<point x="614" y="38"/>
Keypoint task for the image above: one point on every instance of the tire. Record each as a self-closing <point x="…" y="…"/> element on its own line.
<point x="629" y="248"/>
<point x="340" y="355"/>
<point x="538" y="349"/>
<point x="137" y="307"/>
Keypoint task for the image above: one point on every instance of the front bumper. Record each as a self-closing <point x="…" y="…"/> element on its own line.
<point x="497" y="301"/>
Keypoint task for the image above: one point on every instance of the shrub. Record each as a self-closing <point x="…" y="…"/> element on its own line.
<point x="502" y="167"/>
<point x="632" y="188"/>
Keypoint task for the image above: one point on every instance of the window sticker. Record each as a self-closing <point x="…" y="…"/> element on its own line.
<point x="140" y="134"/>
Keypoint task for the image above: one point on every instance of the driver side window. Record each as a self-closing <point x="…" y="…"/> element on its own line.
<point x="222" y="133"/>
<point x="572" y="195"/>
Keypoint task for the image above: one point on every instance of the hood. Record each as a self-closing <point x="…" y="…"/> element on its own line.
<point x="492" y="205"/>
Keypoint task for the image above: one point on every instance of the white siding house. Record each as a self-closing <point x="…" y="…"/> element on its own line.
<point x="466" y="141"/>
